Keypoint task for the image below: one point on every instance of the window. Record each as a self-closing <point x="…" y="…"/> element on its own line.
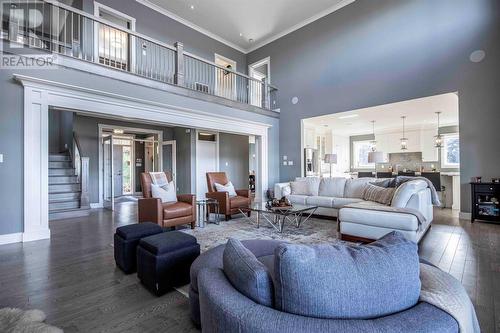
<point x="113" y="45"/>
<point x="360" y="154"/>
<point x="450" y="152"/>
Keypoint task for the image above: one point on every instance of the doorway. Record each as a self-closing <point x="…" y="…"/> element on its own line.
<point x="225" y="81"/>
<point x="207" y="159"/>
<point x="123" y="155"/>
<point x="261" y="72"/>
<point x="169" y="153"/>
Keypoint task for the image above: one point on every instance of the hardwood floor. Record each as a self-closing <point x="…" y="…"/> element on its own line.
<point x="73" y="278"/>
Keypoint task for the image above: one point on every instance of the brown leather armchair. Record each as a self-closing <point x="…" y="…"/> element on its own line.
<point x="227" y="205"/>
<point x="166" y="214"/>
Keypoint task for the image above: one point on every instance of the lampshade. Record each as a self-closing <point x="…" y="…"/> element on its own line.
<point x="375" y="157"/>
<point x="331" y="158"/>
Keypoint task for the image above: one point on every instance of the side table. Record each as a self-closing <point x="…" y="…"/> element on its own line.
<point x="204" y="207"/>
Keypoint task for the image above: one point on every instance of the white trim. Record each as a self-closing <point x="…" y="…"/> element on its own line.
<point x="100" y="127"/>
<point x="97" y="7"/>
<point x="299" y="25"/>
<point x="217" y="164"/>
<point x="190" y="25"/>
<point x="11" y="238"/>
<point x="39" y="94"/>
<point x="218" y="57"/>
<point x="266" y="61"/>
<point x="174" y="157"/>
<point x="254" y="47"/>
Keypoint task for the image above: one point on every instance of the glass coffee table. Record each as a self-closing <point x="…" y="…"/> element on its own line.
<point x="277" y="216"/>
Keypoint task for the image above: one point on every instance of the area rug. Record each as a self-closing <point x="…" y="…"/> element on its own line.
<point x="313" y="230"/>
<point x="20" y="321"/>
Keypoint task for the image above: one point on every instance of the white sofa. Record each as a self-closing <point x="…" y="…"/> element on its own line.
<point x="332" y="194"/>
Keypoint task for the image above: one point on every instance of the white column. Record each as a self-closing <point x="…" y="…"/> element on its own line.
<point x="36" y="165"/>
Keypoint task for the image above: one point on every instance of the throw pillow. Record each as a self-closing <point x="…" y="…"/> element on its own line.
<point x="332" y="187"/>
<point x="344" y="281"/>
<point x="379" y="194"/>
<point x="229" y="188"/>
<point x="165" y="193"/>
<point x="247" y="274"/>
<point x="389" y="182"/>
<point x="299" y="188"/>
<point x="354" y="188"/>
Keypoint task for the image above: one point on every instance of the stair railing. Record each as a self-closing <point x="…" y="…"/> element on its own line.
<point x="81" y="165"/>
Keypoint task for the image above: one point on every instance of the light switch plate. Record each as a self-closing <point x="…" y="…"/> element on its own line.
<point x="285" y="157"/>
<point x="290" y="162"/>
<point x="285" y="163"/>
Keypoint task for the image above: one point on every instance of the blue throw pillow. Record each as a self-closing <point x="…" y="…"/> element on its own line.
<point x="247" y="274"/>
<point x="347" y="281"/>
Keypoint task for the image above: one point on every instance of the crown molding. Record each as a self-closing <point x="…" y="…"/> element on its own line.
<point x="299" y="25"/>
<point x="256" y="46"/>
<point x="190" y="25"/>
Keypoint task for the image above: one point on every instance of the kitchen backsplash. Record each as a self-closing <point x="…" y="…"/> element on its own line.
<point x="411" y="161"/>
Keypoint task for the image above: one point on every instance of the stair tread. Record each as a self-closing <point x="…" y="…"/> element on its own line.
<point x="64" y="200"/>
<point x="66" y="192"/>
<point x="68" y="210"/>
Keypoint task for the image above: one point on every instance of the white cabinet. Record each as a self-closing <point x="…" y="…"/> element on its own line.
<point x="429" y="152"/>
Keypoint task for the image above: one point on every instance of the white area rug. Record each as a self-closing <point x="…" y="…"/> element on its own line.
<point x="20" y="321"/>
<point x="313" y="230"/>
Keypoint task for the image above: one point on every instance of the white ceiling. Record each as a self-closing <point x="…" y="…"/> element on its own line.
<point x="234" y="22"/>
<point x="420" y="114"/>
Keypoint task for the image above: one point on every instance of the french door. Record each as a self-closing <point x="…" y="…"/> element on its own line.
<point x="108" y="173"/>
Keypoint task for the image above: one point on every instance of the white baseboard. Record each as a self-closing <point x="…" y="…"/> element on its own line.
<point x="11" y="238"/>
<point x="96" y="205"/>
<point x="35" y="235"/>
<point x="464" y="216"/>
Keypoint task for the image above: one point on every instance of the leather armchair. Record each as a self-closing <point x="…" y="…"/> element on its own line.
<point x="166" y="214"/>
<point x="227" y="205"/>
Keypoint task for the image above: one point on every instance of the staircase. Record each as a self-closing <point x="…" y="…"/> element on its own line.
<point x="64" y="189"/>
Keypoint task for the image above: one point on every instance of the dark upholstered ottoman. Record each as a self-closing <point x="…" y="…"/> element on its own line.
<point x="127" y="239"/>
<point x="164" y="260"/>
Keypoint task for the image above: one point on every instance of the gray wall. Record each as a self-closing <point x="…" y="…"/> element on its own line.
<point x="377" y="52"/>
<point x="165" y="29"/>
<point x="233" y="151"/>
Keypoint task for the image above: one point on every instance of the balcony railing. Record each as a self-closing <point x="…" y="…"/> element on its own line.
<point x="61" y="29"/>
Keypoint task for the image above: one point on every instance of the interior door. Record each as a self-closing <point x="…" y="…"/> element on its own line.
<point x="168" y="156"/>
<point x="206" y="161"/>
<point x="108" y="174"/>
<point x="118" y="171"/>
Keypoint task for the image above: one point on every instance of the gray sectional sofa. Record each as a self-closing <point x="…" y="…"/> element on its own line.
<point x="223" y="301"/>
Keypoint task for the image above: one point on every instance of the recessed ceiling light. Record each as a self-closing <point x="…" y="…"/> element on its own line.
<point x="241" y="35"/>
<point x="118" y="131"/>
<point x="349" y="116"/>
<point x="192" y="7"/>
<point x="250" y="40"/>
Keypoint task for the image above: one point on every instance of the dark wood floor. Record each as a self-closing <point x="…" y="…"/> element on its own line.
<point x="73" y="278"/>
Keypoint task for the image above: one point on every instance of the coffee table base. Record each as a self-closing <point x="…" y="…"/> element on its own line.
<point x="279" y="219"/>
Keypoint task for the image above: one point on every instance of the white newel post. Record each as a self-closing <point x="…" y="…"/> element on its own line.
<point x="36" y="165"/>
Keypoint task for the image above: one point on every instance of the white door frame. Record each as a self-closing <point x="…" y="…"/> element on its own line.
<point x="39" y="94"/>
<point x="174" y="157"/>
<point x="100" y="128"/>
<point x="265" y="61"/>
<point x="234" y="64"/>
<point x="217" y="166"/>
<point x="97" y="8"/>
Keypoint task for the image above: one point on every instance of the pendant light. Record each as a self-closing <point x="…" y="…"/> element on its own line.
<point x="404" y="140"/>
<point x="375" y="156"/>
<point x="438" y="139"/>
